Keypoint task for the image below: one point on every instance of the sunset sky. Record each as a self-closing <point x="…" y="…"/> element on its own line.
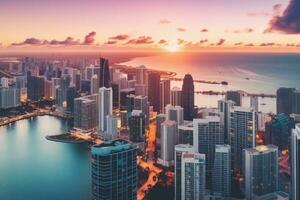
<point x="157" y="24"/>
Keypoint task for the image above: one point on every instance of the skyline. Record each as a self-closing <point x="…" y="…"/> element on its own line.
<point x="150" y="26"/>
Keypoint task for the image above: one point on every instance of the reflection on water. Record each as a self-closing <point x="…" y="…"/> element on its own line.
<point x="35" y="168"/>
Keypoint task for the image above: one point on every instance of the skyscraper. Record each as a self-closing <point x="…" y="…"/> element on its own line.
<point x="221" y="177"/>
<point x="296" y="102"/>
<point x="104" y="76"/>
<point x="168" y="141"/>
<point x="284" y="100"/>
<point x="9" y="97"/>
<point x="187" y="97"/>
<point x="193" y="176"/>
<point x="94" y="84"/>
<point x="295" y="163"/>
<point x="174" y="113"/>
<point x="105" y="107"/>
<point x="111" y="124"/>
<point x="116" y="94"/>
<point x="114" y="171"/>
<point x="137" y="128"/>
<point x="208" y="133"/>
<point x="225" y="108"/>
<point x="179" y="150"/>
<point x="176" y="96"/>
<point x="164" y="94"/>
<point x="243" y="127"/>
<point x="141" y="103"/>
<point x="254" y="102"/>
<point x="153" y="90"/>
<point x="35" y="88"/>
<point x="261" y="172"/>
<point x="235" y="96"/>
<point x="71" y="95"/>
<point x="141" y="85"/>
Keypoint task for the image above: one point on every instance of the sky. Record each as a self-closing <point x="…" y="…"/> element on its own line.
<point x="149" y="25"/>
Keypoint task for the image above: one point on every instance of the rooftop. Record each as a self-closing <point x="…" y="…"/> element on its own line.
<point x="110" y="147"/>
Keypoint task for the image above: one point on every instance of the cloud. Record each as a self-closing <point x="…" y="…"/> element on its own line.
<point x="238" y="44"/>
<point x="288" y="22"/>
<point x="249" y="45"/>
<point x="163" y="42"/>
<point x="267" y="44"/>
<point x="276" y="10"/>
<point x="181" y="29"/>
<point x="204" y="30"/>
<point x="164" y="21"/>
<point x="191" y="45"/>
<point x="181" y="41"/>
<point x="246" y="30"/>
<point x="221" y="42"/>
<point x="89" y="38"/>
<point x="120" y="37"/>
<point x="203" y="41"/>
<point x="141" y="40"/>
<point x="110" y="42"/>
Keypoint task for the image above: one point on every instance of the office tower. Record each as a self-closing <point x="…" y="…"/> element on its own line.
<point x="137" y="128"/>
<point x="164" y="94"/>
<point x="278" y="131"/>
<point x="4" y="82"/>
<point x="235" y="96"/>
<point x="35" y="88"/>
<point x="284" y="98"/>
<point x="85" y="86"/>
<point x="9" y="97"/>
<point x="254" y="102"/>
<point x="141" y="103"/>
<point x="179" y="150"/>
<point x="60" y="97"/>
<point x="243" y="127"/>
<point x="185" y="133"/>
<point x="225" y="115"/>
<point x="78" y="81"/>
<point x="168" y="141"/>
<point x="123" y="94"/>
<point x="176" y="96"/>
<point x="116" y="94"/>
<point x="56" y="82"/>
<point x="124" y="118"/>
<point x="114" y="171"/>
<point x="295" y="163"/>
<point x="112" y="130"/>
<point x="105" y="107"/>
<point x="296" y="102"/>
<point x="21" y="81"/>
<point x="104" y="76"/>
<point x="94" y="84"/>
<point x="221" y="176"/>
<point x="71" y="95"/>
<point x="141" y="75"/>
<point x="85" y="113"/>
<point x="174" y="113"/>
<point x="160" y="118"/>
<point x="208" y="132"/>
<point x="187" y="97"/>
<point x="193" y="176"/>
<point x="153" y="90"/>
<point x="89" y="72"/>
<point x="261" y="172"/>
<point x="48" y="89"/>
<point x="129" y="102"/>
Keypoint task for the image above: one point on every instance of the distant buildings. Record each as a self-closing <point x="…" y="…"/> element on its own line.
<point x="295" y="163"/>
<point x="193" y="176"/>
<point x="261" y="172"/>
<point x="187" y="97"/>
<point x="114" y="171"/>
<point x="235" y="96"/>
<point x="221" y="176"/>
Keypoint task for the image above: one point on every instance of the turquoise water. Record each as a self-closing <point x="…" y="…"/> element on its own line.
<point x="32" y="167"/>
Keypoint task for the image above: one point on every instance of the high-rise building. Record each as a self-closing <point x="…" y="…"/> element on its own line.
<point x="9" y="97"/>
<point x="278" y="131"/>
<point x="296" y="102"/>
<point x="112" y="130"/>
<point x="284" y="99"/>
<point x="208" y="133"/>
<point x="104" y="76"/>
<point x="225" y="108"/>
<point x="174" y="113"/>
<point x="71" y="95"/>
<point x="254" y="102"/>
<point x="141" y="103"/>
<point x="187" y="97"/>
<point x="48" y="89"/>
<point x="160" y="118"/>
<point x="235" y="96"/>
<point x="94" y="84"/>
<point x="123" y="97"/>
<point x="164" y="94"/>
<point x="169" y="130"/>
<point x="221" y="177"/>
<point x="295" y="163"/>
<point x="185" y="133"/>
<point x="137" y="128"/>
<point x="114" y="171"/>
<point x="193" y="176"/>
<point x="179" y="150"/>
<point x="35" y="88"/>
<point x="243" y="127"/>
<point x="261" y="172"/>
<point x="176" y="96"/>
<point x="105" y="107"/>
<point x="56" y="82"/>
<point x="116" y="94"/>
<point x="85" y="113"/>
<point x="153" y="90"/>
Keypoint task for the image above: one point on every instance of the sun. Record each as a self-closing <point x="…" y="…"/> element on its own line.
<point x="172" y="47"/>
